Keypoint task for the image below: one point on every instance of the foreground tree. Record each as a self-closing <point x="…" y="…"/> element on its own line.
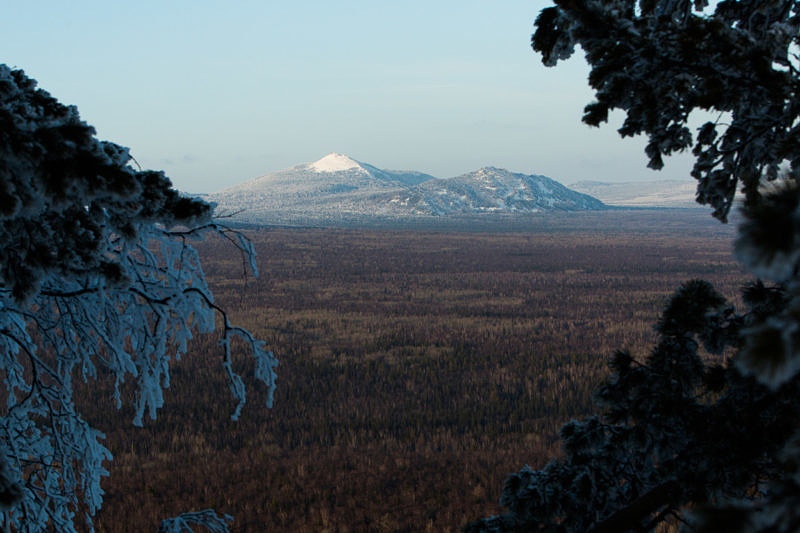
<point x="704" y="431"/>
<point x="97" y="277"/>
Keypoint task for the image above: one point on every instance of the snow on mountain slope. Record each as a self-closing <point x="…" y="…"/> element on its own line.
<point x="334" y="162"/>
<point x="492" y="189"/>
<point x="333" y="174"/>
<point x="333" y="187"/>
<point x="339" y="187"/>
<point x="663" y="193"/>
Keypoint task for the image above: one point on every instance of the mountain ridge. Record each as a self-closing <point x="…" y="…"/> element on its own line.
<point x="338" y="186"/>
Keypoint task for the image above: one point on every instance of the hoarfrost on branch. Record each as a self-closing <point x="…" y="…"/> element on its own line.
<point x="98" y="278"/>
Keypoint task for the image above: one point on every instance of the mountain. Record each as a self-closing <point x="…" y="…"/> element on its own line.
<point x="332" y="175"/>
<point x="489" y="190"/>
<point x="663" y="193"/>
<point x="339" y="188"/>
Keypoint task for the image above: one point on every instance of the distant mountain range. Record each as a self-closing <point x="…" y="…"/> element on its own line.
<point x="339" y="188"/>
<point x="662" y="193"/>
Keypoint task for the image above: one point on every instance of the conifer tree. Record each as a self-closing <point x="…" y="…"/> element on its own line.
<point x="702" y="433"/>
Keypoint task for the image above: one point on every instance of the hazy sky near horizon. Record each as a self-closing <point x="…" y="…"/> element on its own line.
<point x="218" y="93"/>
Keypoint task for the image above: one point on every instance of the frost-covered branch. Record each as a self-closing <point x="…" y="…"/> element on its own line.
<point x="709" y="445"/>
<point x="207" y="518"/>
<point x="97" y="272"/>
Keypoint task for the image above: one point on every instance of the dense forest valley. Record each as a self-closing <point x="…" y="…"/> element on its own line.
<point x="418" y="368"/>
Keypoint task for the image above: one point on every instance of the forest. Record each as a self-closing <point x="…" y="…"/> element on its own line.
<point x="418" y="368"/>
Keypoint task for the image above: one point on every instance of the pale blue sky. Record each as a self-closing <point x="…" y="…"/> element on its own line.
<point x="216" y="93"/>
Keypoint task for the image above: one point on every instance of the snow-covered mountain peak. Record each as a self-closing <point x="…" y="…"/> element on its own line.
<point x="334" y="162"/>
<point x="491" y="173"/>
